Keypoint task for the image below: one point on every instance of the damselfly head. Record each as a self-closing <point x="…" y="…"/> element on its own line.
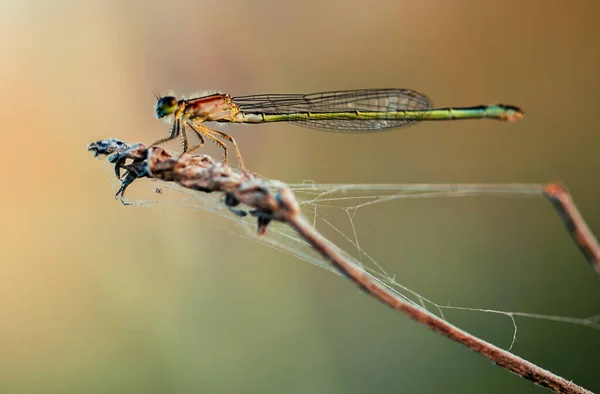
<point x="166" y="106"/>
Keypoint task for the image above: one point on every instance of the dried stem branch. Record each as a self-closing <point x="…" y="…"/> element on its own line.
<point x="271" y="200"/>
<point x="574" y="222"/>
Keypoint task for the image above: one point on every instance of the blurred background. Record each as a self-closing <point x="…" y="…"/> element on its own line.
<point x="96" y="297"/>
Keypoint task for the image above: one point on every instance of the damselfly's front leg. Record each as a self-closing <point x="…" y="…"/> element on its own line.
<point x="175" y="130"/>
<point x="184" y="140"/>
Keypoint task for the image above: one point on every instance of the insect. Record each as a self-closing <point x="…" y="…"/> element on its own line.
<point x="347" y="111"/>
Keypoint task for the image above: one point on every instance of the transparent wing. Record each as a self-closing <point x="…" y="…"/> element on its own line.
<point x="368" y="100"/>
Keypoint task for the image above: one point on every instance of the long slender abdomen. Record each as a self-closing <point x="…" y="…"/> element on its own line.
<point x="498" y="111"/>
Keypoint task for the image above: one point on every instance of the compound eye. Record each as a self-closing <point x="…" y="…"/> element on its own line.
<point x="165" y="106"/>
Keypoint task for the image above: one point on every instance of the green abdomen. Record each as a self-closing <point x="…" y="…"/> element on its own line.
<point x="499" y="111"/>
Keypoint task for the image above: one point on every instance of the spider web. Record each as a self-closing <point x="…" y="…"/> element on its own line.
<point x="332" y="210"/>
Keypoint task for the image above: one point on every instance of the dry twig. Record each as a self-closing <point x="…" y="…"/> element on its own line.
<point x="270" y="200"/>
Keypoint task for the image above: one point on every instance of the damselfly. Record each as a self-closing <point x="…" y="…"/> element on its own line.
<point x="347" y="111"/>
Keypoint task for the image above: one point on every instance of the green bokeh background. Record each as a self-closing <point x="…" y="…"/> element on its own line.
<point x="100" y="298"/>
